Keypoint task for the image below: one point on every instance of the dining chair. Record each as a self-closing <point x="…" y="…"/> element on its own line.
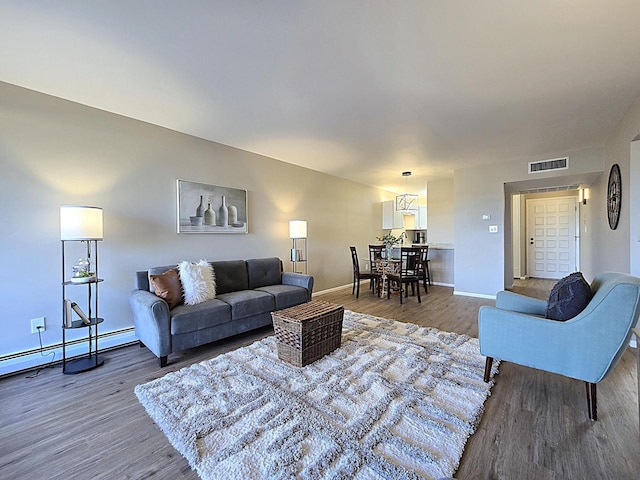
<point x="408" y="274"/>
<point x="377" y="257"/>
<point x="358" y="275"/>
<point x="424" y="273"/>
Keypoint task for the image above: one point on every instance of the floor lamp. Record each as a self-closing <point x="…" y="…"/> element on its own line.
<point x="298" y="234"/>
<point x="81" y="224"/>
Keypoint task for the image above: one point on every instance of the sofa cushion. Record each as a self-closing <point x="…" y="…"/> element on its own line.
<point x="246" y="303"/>
<point x="142" y="278"/>
<point x="190" y="318"/>
<point x="198" y="282"/>
<point x="568" y="297"/>
<point x="231" y="276"/>
<point x="264" y="271"/>
<point x="286" y="295"/>
<point x="167" y="285"/>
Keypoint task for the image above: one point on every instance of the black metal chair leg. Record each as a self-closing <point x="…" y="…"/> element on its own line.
<point x="487" y="368"/>
<point x="592" y="402"/>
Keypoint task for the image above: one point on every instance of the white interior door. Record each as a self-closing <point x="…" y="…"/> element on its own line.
<point x="551" y="236"/>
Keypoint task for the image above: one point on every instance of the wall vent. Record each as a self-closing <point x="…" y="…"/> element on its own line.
<point x="546" y="165"/>
<point x="559" y="188"/>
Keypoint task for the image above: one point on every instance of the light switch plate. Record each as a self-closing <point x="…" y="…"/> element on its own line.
<point x="486" y="217"/>
<point x="493" y="228"/>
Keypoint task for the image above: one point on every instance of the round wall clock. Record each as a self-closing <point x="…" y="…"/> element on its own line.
<point x="614" y="192"/>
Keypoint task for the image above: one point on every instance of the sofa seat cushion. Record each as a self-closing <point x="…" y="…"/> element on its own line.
<point x="190" y="318"/>
<point x="286" y="295"/>
<point x="246" y="303"/>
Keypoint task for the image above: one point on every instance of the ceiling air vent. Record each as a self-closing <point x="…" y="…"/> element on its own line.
<point x="546" y="165"/>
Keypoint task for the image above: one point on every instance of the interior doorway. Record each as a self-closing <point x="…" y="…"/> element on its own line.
<point x="544" y="234"/>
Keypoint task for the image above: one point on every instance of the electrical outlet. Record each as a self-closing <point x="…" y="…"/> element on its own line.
<point x="37" y="322"/>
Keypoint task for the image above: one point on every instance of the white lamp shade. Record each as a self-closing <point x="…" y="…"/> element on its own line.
<point x="297" y="229"/>
<point x="80" y="223"/>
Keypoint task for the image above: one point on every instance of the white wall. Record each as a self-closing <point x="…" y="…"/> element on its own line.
<point x="634" y="209"/>
<point x="54" y="152"/>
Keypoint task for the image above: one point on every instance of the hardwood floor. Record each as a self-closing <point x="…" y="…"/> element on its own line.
<point x="535" y="425"/>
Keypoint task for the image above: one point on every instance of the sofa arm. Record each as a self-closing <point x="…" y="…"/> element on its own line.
<point x="521" y="303"/>
<point x="152" y="321"/>
<point x="299" y="280"/>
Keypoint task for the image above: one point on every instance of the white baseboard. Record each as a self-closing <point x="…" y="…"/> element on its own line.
<point x="477" y="295"/>
<point x="22" y="362"/>
<point x="335" y="289"/>
<point x="366" y="282"/>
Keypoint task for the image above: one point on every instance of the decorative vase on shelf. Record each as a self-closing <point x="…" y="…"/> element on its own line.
<point x="224" y="213"/>
<point x="199" y="208"/>
<point x="233" y="215"/>
<point x="209" y="215"/>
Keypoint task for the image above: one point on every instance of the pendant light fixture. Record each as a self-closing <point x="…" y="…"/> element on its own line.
<point x="406" y="202"/>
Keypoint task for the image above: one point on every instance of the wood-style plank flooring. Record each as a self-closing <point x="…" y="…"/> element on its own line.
<point x="535" y="425"/>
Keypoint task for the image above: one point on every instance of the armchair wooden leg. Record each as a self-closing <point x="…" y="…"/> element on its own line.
<point x="487" y="368"/>
<point x="163" y="361"/>
<point x="592" y="400"/>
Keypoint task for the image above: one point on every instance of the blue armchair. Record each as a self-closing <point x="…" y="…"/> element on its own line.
<point x="586" y="347"/>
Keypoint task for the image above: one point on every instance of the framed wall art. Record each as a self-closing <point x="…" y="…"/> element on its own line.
<point x="204" y="208"/>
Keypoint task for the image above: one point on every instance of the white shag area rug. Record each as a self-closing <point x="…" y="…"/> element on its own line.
<point x="395" y="401"/>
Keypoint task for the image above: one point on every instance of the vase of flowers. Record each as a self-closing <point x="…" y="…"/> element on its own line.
<point x="391" y="241"/>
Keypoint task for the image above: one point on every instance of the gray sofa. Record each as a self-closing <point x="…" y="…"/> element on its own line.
<point x="247" y="291"/>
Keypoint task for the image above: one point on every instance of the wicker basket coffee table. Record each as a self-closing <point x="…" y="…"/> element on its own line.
<point x="308" y="331"/>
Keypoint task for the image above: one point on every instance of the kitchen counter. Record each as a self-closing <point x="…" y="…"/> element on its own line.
<point x="435" y="246"/>
<point x="440" y="263"/>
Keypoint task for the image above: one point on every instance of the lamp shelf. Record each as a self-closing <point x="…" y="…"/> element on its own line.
<point x="95" y="280"/>
<point x="81" y="324"/>
<point x="83" y="364"/>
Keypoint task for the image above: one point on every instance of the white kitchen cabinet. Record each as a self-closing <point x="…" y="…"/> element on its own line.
<point x="421" y="218"/>
<point x="390" y="218"/>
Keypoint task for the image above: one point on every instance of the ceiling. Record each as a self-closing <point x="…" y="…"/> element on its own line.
<point x="358" y="89"/>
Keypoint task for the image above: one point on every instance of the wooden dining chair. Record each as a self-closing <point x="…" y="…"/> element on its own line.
<point x="424" y="273"/>
<point x="358" y="275"/>
<point x="377" y="255"/>
<point x="408" y="274"/>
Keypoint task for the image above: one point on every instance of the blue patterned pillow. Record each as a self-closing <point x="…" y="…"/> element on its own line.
<point x="568" y="297"/>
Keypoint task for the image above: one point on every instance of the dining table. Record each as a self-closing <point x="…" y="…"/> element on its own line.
<point x="385" y="267"/>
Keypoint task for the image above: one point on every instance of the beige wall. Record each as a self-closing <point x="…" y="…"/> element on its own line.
<point x="483" y="260"/>
<point x="440" y="211"/>
<point x="613" y="245"/>
<point x="54" y="152"/>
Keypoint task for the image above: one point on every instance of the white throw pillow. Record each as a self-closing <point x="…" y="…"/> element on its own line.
<point x="198" y="281"/>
